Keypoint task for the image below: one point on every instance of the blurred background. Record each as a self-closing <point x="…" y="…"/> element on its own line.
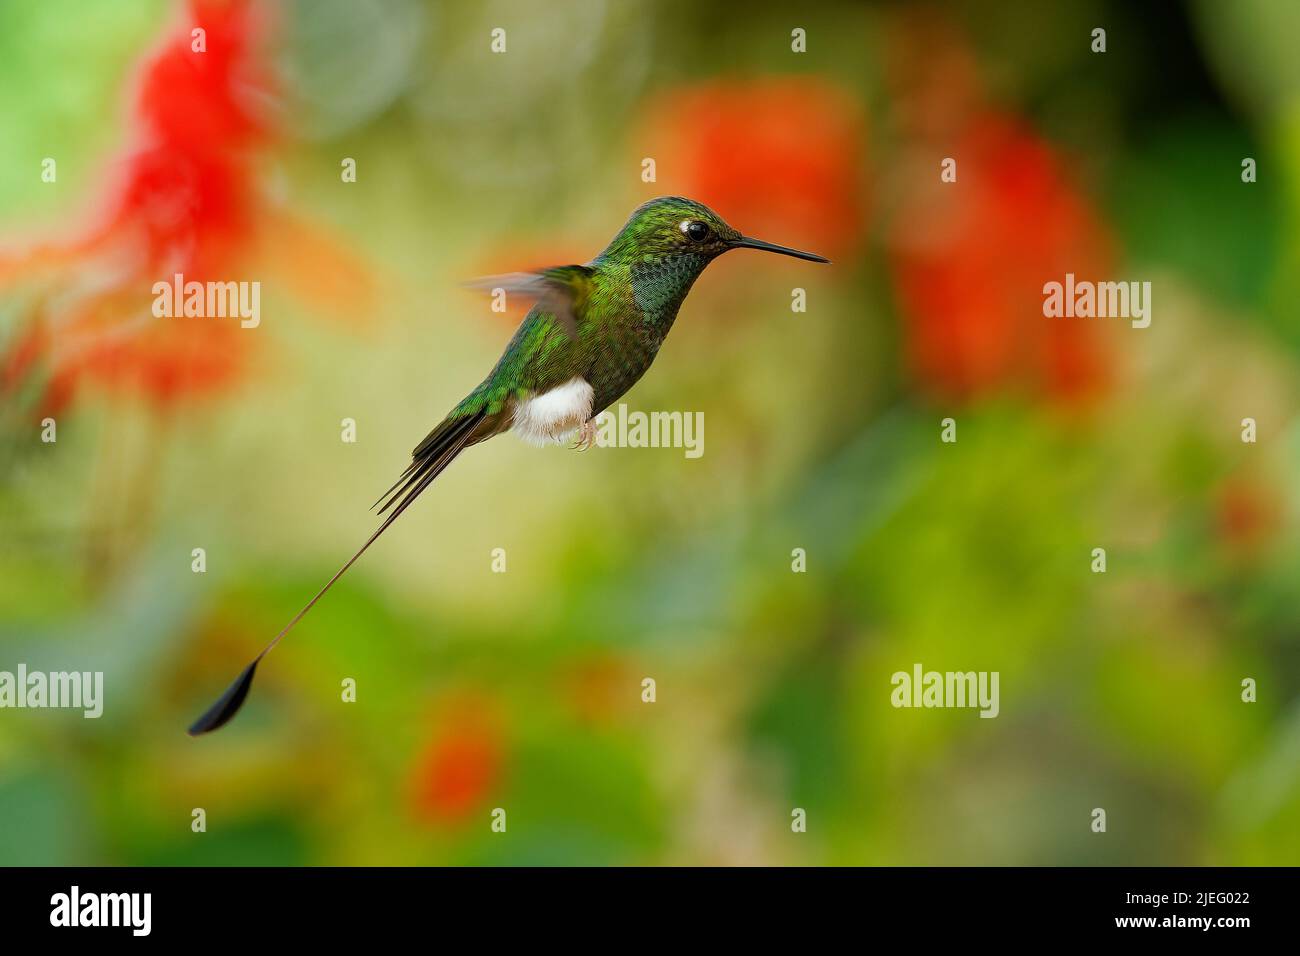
<point x="522" y="690"/>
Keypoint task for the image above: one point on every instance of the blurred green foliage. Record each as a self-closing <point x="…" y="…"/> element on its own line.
<point x="524" y="690"/>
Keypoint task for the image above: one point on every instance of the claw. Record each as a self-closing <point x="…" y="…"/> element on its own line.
<point x="586" y="436"/>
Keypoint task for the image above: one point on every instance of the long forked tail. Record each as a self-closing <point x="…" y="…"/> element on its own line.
<point x="429" y="460"/>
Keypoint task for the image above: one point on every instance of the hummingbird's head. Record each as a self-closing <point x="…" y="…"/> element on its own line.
<point x="672" y="227"/>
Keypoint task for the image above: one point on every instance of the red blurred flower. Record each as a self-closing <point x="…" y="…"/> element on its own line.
<point x="188" y="187"/>
<point x="970" y="257"/>
<point x="184" y="199"/>
<point x="779" y="158"/>
<point x="1248" y="515"/>
<point x="460" y="764"/>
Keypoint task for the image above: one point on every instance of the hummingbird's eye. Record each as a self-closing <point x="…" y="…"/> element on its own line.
<point x="695" y="230"/>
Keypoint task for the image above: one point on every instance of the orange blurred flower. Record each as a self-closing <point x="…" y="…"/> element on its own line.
<point x="600" y="687"/>
<point x="1248" y="516"/>
<point x="460" y="765"/>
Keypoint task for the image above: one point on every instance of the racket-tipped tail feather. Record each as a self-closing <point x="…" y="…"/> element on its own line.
<point x="227" y="704"/>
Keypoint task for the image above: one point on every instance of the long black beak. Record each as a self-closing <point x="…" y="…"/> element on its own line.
<point x="745" y="242"/>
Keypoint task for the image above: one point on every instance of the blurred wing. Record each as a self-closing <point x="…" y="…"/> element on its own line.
<point x="561" y="291"/>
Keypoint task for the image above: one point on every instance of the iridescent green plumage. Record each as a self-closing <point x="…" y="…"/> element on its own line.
<point x="593" y="333"/>
<point x="625" y="302"/>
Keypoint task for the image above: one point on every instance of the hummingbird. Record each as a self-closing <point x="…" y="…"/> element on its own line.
<point x="590" y="335"/>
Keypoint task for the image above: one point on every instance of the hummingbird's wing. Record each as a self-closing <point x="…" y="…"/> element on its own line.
<point x="560" y="291"/>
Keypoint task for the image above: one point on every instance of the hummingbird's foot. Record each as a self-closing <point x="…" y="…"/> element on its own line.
<point x="586" y="435"/>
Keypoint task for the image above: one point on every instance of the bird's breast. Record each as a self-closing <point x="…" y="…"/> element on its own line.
<point x="550" y="416"/>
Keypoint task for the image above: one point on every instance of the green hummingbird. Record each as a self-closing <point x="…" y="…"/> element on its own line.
<point x="591" y="334"/>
